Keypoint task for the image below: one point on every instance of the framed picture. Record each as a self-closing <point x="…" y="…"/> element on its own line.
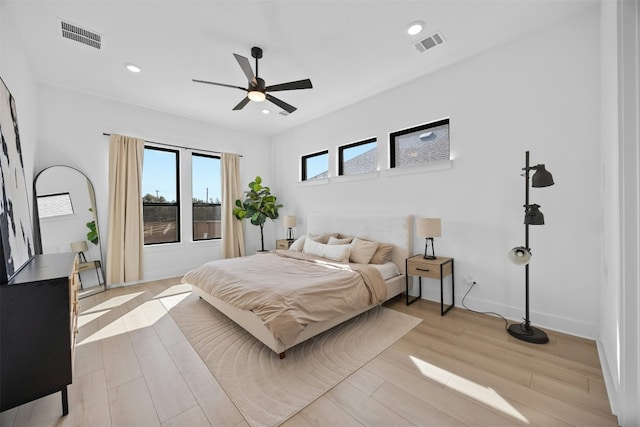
<point x="15" y="217"/>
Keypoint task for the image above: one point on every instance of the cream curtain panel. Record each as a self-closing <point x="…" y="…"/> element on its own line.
<point x="232" y="231"/>
<point x="125" y="235"/>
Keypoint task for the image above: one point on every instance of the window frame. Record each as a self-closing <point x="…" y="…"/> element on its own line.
<point x="193" y="229"/>
<point x="342" y="148"/>
<point x="303" y="161"/>
<point x="394" y="135"/>
<point x="176" y="204"/>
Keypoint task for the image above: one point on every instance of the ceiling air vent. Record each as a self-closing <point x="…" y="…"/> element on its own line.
<point x="81" y="35"/>
<point x="433" y="40"/>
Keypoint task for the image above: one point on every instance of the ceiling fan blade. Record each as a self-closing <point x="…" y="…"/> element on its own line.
<point x="288" y="108"/>
<point x="218" y="84"/>
<point x="246" y="67"/>
<point x="242" y="103"/>
<point x="300" y="84"/>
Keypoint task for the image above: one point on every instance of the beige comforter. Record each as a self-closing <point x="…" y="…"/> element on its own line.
<point x="289" y="290"/>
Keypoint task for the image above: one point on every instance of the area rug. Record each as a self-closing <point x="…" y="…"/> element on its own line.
<point x="268" y="390"/>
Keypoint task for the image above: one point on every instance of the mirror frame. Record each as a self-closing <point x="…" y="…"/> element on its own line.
<point x="37" y="236"/>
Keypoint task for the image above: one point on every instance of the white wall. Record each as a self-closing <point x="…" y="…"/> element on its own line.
<point x="70" y="133"/>
<point x="608" y="341"/>
<point x="16" y="73"/>
<point x="538" y="93"/>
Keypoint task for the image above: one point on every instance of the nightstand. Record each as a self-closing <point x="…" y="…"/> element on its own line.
<point x="438" y="268"/>
<point x="284" y="243"/>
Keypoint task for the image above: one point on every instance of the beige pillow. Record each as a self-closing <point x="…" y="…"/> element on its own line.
<point x="322" y="238"/>
<point x="362" y="250"/>
<point x="382" y="254"/>
<point x="338" y="253"/>
<point x="334" y="241"/>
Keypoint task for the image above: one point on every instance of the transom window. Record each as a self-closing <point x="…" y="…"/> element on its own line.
<point x="161" y="196"/>
<point x="420" y="145"/>
<point x="315" y="166"/>
<point x="51" y="205"/>
<point x="358" y="157"/>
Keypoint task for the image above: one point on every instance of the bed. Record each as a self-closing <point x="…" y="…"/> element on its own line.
<point x="264" y="271"/>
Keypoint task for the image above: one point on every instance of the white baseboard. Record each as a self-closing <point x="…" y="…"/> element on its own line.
<point x="609" y="382"/>
<point x="542" y="320"/>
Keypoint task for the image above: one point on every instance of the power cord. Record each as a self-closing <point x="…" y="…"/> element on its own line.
<point x="506" y="322"/>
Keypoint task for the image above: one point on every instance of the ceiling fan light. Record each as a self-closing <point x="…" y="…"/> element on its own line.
<point x="256" y="95"/>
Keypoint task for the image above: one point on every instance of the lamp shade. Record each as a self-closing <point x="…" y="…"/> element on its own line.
<point x="520" y="255"/>
<point x="80" y="246"/>
<point x="428" y="227"/>
<point x="533" y="216"/>
<point x="542" y="177"/>
<point x="290" y="221"/>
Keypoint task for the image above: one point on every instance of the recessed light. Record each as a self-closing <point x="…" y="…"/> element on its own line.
<point x="133" y="68"/>
<point x="265" y="111"/>
<point x="415" y="28"/>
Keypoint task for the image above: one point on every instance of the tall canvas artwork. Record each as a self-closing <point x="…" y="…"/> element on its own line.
<point x="15" y="216"/>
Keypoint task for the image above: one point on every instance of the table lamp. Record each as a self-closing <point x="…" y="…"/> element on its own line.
<point x="429" y="228"/>
<point x="290" y="223"/>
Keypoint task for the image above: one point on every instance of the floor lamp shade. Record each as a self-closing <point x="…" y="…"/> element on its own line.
<point x="542" y="177"/>
<point x="520" y="255"/>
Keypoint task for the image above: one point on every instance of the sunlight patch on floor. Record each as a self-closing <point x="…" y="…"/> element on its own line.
<point x="173" y="300"/>
<point x="143" y="316"/>
<point x="174" y="290"/>
<point x="86" y="318"/>
<point x="112" y="302"/>
<point x="478" y="392"/>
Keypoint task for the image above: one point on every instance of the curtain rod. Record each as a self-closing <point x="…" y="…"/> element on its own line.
<point x="176" y="146"/>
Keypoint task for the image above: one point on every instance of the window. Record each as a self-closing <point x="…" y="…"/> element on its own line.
<point x="315" y="166"/>
<point x="50" y="205"/>
<point x="359" y="157"/>
<point x="420" y="145"/>
<point x="205" y="197"/>
<point x="161" y="197"/>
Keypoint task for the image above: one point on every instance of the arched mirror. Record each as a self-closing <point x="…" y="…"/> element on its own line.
<point x="65" y="209"/>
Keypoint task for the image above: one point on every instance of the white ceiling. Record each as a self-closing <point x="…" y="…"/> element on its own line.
<point x="350" y="50"/>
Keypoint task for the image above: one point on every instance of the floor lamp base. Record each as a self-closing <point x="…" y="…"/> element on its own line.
<point x="532" y="335"/>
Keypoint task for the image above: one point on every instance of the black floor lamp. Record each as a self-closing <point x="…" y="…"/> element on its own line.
<point x="521" y="255"/>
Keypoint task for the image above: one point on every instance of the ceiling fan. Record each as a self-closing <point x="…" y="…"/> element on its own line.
<point x="257" y="89"/>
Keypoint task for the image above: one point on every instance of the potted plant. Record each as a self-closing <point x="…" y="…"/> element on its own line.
<point x="258" y="205"/>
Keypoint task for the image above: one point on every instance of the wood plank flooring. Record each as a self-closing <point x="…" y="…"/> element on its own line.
<point x="134" y="367"/>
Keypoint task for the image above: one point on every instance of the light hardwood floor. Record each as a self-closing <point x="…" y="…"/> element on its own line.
<point x="134" y="367"/>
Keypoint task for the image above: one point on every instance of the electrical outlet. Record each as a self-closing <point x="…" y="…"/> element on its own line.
<point x="470" y="280"/>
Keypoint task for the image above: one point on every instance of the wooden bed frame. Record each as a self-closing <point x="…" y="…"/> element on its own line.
<point x="394" y="229"/>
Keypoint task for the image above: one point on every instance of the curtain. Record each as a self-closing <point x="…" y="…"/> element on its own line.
<point x="125" y="234"/>
<point x="232" y="231"/>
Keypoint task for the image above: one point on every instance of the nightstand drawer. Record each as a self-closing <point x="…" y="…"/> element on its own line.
<point x="424" y="270"/>
<point x="283" y="243"/>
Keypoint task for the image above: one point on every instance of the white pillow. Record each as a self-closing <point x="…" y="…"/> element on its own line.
<point x="338" y="253"/>
<point x="297" y="245"/>
<point x="362" y="250"/>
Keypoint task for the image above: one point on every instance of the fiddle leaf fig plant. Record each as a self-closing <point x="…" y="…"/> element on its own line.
<point x="258" y="205"/>
<point x="92" y="234"/>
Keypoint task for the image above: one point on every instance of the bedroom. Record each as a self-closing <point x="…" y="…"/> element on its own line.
<point x="500" y="102"/>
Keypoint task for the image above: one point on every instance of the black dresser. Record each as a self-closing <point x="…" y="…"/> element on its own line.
<point x="38" y="323"/>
